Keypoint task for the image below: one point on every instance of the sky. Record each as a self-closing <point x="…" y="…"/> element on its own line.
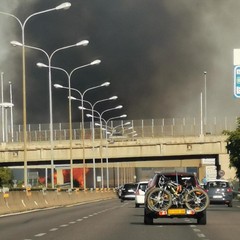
<point x="153" y="52"/>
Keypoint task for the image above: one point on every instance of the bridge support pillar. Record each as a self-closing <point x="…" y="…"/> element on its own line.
<point x="59" y="177"/>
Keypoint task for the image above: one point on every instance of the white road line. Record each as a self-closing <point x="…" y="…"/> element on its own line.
<point x="39" y="234"/>
<point x="196" y="230"/>
<point x="64" y="225"/>
<point x="201" y="235"/>
<point x="73" y="222"/>
<point x="23" y="203"/>
<point x="79" y="220"/>
<point x="53" y="229"/>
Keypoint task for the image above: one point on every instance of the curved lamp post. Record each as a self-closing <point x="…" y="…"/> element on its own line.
<point x="65" y="6"/>
<point x="49" y="58"/>
<point x="82" y="94"/>
<point x="101" y="138"/>
<point x="93" y="130"/>
<point x="69" y="75"/>
<point x="113" y="129"/>
<point x="107" y="121"/>
<point x="5" y="106"/>
<point x="205" y="99"/>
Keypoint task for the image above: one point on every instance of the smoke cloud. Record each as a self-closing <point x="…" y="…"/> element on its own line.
<point x="154" y="53"/>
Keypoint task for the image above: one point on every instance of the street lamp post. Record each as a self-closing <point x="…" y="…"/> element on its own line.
<point x="69" y="75"/>
<point x="93" y="131"/>
<point x="101" y="138"/>
<point x="5" y="106"/>
<point x="205" y="99"/>
<point x="114" y="128"/>
<point x="83" y="135"/>
<point x="2" y="110"/>
<point x="11" y="110"/>
<point x="65" y="5"/>
<point x="107" y="167"/>
<point x="49" y="58"/>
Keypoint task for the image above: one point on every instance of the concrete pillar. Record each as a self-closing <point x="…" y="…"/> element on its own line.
<point x="60" y="176"/>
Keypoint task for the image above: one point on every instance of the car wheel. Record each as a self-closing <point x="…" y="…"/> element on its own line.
<point x="148" y="220"/>
<point x="122" y="200"/>
<point x="136" y="205"/>
<point x="202" y="218"/>
<point x="230" y="204"/>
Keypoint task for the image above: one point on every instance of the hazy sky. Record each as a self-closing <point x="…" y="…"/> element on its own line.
<point x="154" y="53"/>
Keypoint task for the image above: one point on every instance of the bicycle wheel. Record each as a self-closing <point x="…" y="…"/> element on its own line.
<point x="159" y="199"/>
<point x="197" y="200"/>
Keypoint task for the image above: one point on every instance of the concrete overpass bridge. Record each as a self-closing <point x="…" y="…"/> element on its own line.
<point x="156" y="146"/>
<point x="174" y="152"/>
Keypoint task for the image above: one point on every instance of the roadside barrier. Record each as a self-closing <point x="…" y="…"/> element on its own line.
<point x="27" y="199"/>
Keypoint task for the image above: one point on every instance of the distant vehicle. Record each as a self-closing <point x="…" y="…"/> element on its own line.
<point x="219" y="192"/>
<point x="128" y="191"/>
<point x="119" y="191"/>
<point x="175" y="195"/>
<point x="140" y="193"/>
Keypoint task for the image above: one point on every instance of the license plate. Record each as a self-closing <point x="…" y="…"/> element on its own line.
<point x="217" y="196"/>
<point x="177" y="211"/>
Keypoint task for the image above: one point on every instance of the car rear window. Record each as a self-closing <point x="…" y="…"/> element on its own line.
<point x="183" y="179"/>
<point x="130" y="186"/>
<point x="179" y="178"/>
<point x="143" y="186"/>
<point x="217" y="184"/>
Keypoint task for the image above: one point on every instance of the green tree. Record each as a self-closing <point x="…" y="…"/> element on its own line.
<point x="5" y="176"/>
<point x="233" y="147"/>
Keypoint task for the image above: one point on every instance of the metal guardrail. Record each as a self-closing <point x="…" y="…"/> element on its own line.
<point x="144" y="128"/>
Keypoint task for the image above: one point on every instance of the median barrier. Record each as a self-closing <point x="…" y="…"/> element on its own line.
<point x="25" y="200"/>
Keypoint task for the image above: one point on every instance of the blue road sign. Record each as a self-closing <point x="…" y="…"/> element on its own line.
<point x="237" y="81"/>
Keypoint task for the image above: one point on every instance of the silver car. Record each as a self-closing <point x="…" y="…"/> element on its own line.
<point x="128" y="191"/>
<point x="220" y="192"/>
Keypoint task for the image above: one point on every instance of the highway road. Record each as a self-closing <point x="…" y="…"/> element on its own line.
<point x="113" y="220"/>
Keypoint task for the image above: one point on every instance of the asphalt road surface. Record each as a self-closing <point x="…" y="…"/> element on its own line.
<point x="113" y="220"/>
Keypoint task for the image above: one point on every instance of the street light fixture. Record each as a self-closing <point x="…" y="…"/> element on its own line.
<point x="93" y="130"/>
<point x="101" y="138"/>
<point x="69" y="75"/>
<point x="205" y="99"/>
<point x="49" y="58"/>
<point x="5" y="106"/>
<point x="63" y="6"/>
<point x="82" y="94"/>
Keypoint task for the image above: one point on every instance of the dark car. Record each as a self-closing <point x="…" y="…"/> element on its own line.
<point x="128" y="191"/>
<point x="119" y="191"/>
<point x="219" y="192"/>
<point x="175" y="195"/>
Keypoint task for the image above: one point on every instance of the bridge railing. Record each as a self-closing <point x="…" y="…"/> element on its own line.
<point x="164" y="127"/>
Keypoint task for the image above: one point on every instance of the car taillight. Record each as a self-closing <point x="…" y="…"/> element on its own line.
<point x="229" y="190"/>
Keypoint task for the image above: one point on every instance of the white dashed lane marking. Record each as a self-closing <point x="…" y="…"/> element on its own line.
<point x="72" y="222"/>
<point x="40" y="234"/>
<point x="53" y="229"/>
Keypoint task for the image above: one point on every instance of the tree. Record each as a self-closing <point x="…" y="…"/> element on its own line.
<point x="233" y="147"/>
<point x="5" y="176"/>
